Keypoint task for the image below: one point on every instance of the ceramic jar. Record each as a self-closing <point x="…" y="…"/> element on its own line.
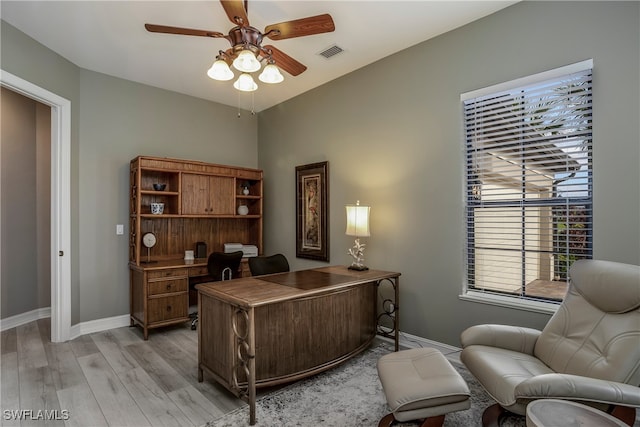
<point x="243" y="210"/>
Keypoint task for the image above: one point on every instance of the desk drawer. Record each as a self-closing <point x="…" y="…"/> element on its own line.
<point x="171" y="272"/>
<point x="168" y="286"/>
<point x="168" y="308"/>
<point x="198" y="271"/>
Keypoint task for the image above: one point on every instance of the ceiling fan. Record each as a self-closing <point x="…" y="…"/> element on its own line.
<point x="246" y="41"/>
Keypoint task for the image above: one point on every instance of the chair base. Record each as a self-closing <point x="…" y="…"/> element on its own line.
<point x="389" y="419"/>
<point x="625" y="414"/>
<point x="194" y="320"/>
<point x="493" y="414"/>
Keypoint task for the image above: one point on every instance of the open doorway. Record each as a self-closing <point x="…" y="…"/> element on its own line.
<point x="26" y="206"/>
<point x="60" y="223"/>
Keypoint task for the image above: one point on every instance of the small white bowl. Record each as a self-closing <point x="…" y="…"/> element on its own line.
<point x="157" y="208"/>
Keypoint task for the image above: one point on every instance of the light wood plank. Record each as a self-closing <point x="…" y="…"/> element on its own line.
<point x="120" y="360"/>
<point x="127" y="335"/>
<point x="198" y="408"/>
<point x="103" y="370"/>
<point x="162" y="373"/>
<point x="31" y="352"/>
<point x="37" y="393"/>
<point x="183" y="358"/>
<point x="65" y="370"/>
<point x="115" y="401"/>
<point x="10" y="387"/>
<point x="44" y="326"/>
<point x="83" y="346"/>
<point x="159" y="409"/>
<point x="82" y="406"/>
<point x="9" y="341"/>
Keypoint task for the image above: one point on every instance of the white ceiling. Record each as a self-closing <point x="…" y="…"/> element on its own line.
<point x="109" y="37"/>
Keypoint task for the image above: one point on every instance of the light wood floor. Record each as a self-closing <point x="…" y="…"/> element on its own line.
<point x="110" y="378"/>
<point x="113" y="378"/>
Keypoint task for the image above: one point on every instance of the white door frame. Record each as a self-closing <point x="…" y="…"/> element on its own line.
<point x="60" y="200"/>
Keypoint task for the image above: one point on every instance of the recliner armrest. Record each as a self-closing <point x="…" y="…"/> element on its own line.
<point x="576" y="387"/>
<point x="514" y="338"/>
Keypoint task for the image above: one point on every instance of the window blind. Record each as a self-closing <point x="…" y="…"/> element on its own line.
<point x="529" y="185"/>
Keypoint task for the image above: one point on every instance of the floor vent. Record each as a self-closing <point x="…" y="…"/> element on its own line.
<point x="331" y="51"/>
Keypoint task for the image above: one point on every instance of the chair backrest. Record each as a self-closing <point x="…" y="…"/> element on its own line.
<point x="224" y="266"/>
<point x="596" y="330"/>
<point x="260" y="265"/>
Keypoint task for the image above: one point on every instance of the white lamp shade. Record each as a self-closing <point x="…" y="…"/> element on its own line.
<point x="220" y="71"/>
<point x="245" y="83"/>
<point x="357" y="221"/>
<point x="246" y="62"/>
<point x="271" y="74"/>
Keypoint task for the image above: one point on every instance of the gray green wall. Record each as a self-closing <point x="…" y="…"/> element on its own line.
<point x="393" y="139"/>
<point x="392" y="134"/>
<point x="114" y="120"/>
<point x="31" y="61"/>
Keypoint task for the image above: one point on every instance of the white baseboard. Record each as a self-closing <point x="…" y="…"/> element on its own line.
<point x="24" y="318"/>
<point x="99" y="325"/>
<point x="414" y="341"/>
<point x="82" y="328"/>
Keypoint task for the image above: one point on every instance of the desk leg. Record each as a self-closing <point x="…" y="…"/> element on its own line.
<point x="252" y="369"/>
<point x="388" y="321"/>
<point x="244" y="331"/>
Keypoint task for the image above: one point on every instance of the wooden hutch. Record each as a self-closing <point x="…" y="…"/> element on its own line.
<point x="201" y="203"/>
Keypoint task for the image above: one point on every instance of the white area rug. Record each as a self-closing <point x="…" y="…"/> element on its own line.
<point x="349" y="395"/>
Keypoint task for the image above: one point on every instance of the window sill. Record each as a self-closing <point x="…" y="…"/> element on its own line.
<point x="510" y="302"/>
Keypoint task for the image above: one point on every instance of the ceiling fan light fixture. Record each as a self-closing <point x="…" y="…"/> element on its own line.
<point x="246" y="62"/>
<point x="245" y="83"/>
<point x="220" y="71"/>
<point x="271" y="74"/>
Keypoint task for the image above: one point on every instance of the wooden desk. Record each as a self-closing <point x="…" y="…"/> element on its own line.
<point x="267" y="330"/>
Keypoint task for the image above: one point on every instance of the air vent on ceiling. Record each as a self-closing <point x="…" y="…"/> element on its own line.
<point x="331" y="51"/>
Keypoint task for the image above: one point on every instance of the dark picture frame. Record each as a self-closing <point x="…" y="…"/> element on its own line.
<point x="312" y="205"/>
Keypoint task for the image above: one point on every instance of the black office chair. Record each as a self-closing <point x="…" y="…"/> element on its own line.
<point x="221" y="266"/>
<point x="260" y="265"/>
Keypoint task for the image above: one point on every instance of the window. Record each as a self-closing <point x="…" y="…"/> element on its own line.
<point x="528" y="183"/>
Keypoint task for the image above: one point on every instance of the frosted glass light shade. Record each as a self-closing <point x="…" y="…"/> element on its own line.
<point x="246" y="62"/>
<point x="358" y="220"/>
<point x="245" y="83"/>
<point x="271" y="74"/>
<point x="220" y="71"/>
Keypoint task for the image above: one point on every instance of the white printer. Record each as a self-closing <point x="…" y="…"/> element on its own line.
<point x="247" y="250"/>
<point x="232" y="247"/>
<point x="250" y="250"/>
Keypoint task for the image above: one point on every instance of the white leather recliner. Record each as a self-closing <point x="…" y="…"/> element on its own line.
<point x="588" y="352"/>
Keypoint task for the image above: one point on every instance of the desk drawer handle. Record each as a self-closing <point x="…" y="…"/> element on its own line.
<point x="168" y="308"/>
<point x="168" y="287"/>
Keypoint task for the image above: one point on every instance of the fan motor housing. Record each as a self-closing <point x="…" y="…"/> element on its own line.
<point x="241" y="37"/>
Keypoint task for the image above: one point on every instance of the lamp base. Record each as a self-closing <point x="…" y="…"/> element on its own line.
<point x="358" y="267"/>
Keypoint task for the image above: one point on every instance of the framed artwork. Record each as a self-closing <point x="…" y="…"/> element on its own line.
<point x="312" y="204"/>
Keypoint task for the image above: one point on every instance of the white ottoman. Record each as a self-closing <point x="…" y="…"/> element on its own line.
<point x="421" y="383"/>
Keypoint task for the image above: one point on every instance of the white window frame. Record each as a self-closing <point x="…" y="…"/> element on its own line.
<point x="512" y="301"/>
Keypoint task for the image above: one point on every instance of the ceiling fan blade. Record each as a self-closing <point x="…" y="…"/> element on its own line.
<point x="185" y="31"/>
<point x="300" y="27"/>
<point x="236" y="12"/>
<point x="284" y="61"/>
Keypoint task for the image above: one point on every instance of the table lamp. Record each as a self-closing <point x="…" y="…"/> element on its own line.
<point x="358" y="226"/>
